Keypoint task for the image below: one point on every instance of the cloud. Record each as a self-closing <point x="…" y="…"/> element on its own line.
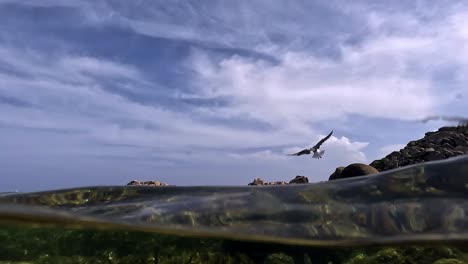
<point x="259" y="155"/>
<point x="388" y="74"/>
<point x="303" y="89"/>
<point x="79" y="93"/>
<point x="254" y="81"/>
<point x="337" y="150"/>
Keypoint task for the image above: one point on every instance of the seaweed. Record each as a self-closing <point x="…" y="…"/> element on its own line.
<point x="38" y="244"/>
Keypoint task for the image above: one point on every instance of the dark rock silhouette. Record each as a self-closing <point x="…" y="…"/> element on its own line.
<point x="299" y="179"/>
<point x="337" y="174"/>
<point x="445" y="143"/>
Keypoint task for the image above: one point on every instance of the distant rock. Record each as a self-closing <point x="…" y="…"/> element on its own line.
<point x="353" y="170"/>
<point x="259" y="181"/>
<point x="445" y="143"/>
<point x="299" y="179"/>
<point x="148" y="183"/>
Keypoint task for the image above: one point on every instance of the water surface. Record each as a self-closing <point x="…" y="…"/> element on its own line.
<point x="421" y="204"/>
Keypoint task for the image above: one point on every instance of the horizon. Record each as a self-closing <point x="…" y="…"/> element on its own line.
<point x="103" y="93"/>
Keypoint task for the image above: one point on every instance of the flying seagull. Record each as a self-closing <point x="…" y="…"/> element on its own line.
<point x="315" y="149"/>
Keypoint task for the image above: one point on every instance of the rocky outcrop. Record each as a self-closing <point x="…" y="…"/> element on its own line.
<point x="259" y="181"/>
<point x="148" y="183"/>
<point x="337" y="174"/>
<point x="299" y="179"/>
<point x="357" y="169"/>
<point x="353" y="170"/>
<point x="445" y="143"/>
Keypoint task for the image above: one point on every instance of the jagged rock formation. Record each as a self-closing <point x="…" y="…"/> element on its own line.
<point x="445" y="143"/>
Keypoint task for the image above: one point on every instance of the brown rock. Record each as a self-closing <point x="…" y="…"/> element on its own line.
<point x="299" y="179"/>
<point x="358" y="169"/>
<point x="337" y="174"/>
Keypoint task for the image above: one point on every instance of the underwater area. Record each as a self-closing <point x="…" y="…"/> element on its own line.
<point x="414" y="214"/>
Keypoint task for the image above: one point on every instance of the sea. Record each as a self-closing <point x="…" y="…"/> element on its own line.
<point x="414" y="214"/>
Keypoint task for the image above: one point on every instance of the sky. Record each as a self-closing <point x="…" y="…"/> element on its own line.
<point x="218" y="92"/>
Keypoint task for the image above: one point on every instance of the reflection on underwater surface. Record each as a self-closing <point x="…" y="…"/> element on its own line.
<point x="343" y="219"/>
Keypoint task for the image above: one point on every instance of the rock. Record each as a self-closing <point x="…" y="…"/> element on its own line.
<point x="434" y="155"/>
<point x="462" y="149"/>
<point x="299" y="179"/>
<point x="337" y="174"/>
<point x="395" y="154"/>
<point x="460" y="141"/>
<point x="458" y="153"/>
<point x="436" y="145"/>
<point x="257" y="181"/>
<point x="357" y="169"/>
<point x="276" y="183"/>
<point x="148" y="183"/>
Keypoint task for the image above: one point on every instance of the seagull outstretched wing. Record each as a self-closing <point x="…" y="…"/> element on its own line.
<point x="312" y="149"/>
<point x="302" y="152"/>
<point x="317" y="146"/>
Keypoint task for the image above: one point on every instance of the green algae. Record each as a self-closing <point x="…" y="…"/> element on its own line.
<point x="35" y="244"/>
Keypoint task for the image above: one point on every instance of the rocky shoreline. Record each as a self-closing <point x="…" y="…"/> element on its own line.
<point x="444" y="143"/>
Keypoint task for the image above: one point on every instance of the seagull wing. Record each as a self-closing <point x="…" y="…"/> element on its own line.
<point x="302" y="152"/>
<point x="317" y="146"/>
